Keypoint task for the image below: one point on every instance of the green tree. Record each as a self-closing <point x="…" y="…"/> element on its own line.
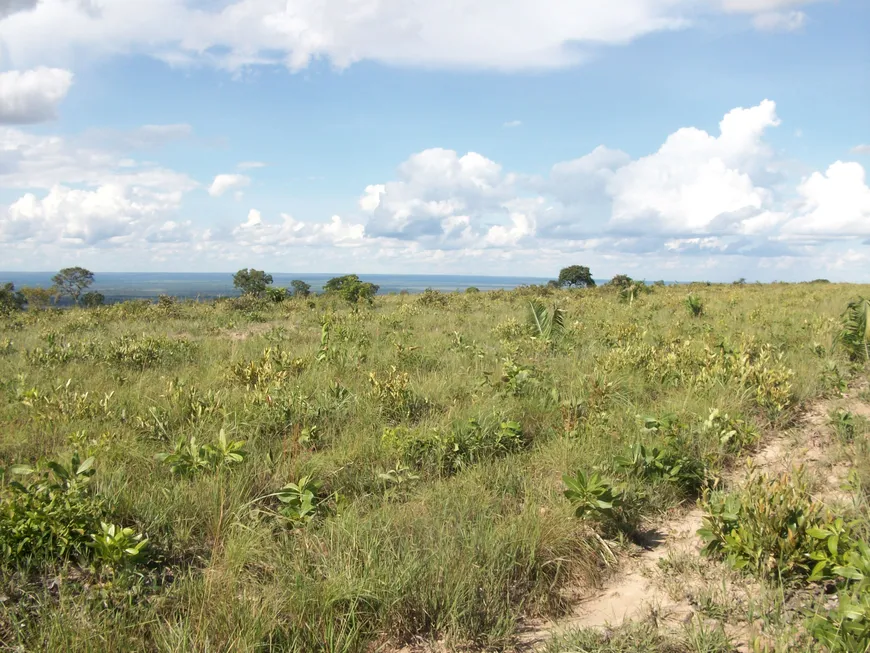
<point x="351" y="288"/>
<point x="37" y="296"/>
<point x="72" y="282"/>
<point x="93" y="298"/>
<point x="251" y="281"/>
<point x="10" y="299"/>
<point x="300" y="288"/>
<point x="621" y="281"/>
<point x="576" y="276"/>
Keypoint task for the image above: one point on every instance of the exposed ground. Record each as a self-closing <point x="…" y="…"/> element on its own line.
<point x="664" y="579"/>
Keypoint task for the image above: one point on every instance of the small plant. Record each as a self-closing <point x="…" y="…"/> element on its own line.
<point x="49" y="512"/>
<point x="846" y="424"/>
<point x="299" y="501"/>
<point x="394" y="396"/>
<point x="694" y="305"/>
<point x="548" y="325"/>
<point x="664" y="464"/>
<point x="116" y="546"/>
<point x="591" y="495"/>
<point x="188" y="457"/>
<point x="846" y="628"/>
<point x="854" y="336"/>
<point x="733" y="434"/>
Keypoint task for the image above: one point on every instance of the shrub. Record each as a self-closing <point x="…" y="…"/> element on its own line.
<point x="463" y="446"/>
<point x="695" y="306"/>
<point x="854" y="336"/>
<point x="93" y="299"/>
<point x="772" y="528"/>
<point x="690" y="474"/>
<point x="11" y="300"/>
<point x="592" y="495"/>
<point x="394" y="397"/>
<point x="188" y="457"/>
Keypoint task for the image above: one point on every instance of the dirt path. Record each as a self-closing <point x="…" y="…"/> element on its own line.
<point x="642" y="589"/>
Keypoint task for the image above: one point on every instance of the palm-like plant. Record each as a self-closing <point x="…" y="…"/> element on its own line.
<point x="546" y="324"/>
<point x="855" y="335"/>
<point x="695" y="305"/>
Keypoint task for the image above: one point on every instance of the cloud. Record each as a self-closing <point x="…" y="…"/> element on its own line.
<point x="512" y="123"/>
<point x="9" y="7"/>
<point x="250" y="165"/>
<point x="482" y="34"/>
<point x="82" y="217"/>
<point x="861" y="149"/>
<point x="697" y="200"/>
<point x="780" y="21"/>
<point x="223" y="183"/>
<point x="264" y="237"/>
<point x="32" y="96"/>
<point x="696" y="178"/>
<point x="835" y="203"/>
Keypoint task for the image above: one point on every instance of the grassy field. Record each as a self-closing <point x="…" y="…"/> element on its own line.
<point x="312" y="476"/>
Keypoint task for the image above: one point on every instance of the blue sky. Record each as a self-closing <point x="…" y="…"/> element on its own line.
<point x="682" y="139"/>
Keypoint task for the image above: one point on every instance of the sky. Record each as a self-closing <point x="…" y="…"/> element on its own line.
<point x="674" y="139"/>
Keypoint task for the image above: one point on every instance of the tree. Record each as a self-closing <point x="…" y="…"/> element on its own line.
<point x="300" y="288"/>
<point x="351" y="288"/>
<point x="621" y="281"/>
<point x="251" y="281"/>
<point x="37" y="296"/>
<point x="10" y="299"/>
<point x="577" y="276"/>
<point x="73" y="282"/>
<point x="93" y="298"/>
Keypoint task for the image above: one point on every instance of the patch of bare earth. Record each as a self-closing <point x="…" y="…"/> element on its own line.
<point x="669" y="581"/>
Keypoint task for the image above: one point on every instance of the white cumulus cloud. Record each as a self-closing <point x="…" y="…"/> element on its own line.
<point x="834" y="203"/>
<point x="225" y="182"/>
<point x="32" y="96"/>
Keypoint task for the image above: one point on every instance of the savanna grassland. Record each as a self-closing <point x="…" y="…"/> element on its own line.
<point x="429" y="470"/>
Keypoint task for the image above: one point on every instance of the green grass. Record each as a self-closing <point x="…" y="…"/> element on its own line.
<point x="457" y="551"/>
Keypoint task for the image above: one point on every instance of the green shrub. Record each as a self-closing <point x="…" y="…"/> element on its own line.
<point x="772" y="528"/>
<point x="49" y="513"/>
<point x="188" y="457"/>
<point x="463" y="446"/>
<point x="592" y="495"/>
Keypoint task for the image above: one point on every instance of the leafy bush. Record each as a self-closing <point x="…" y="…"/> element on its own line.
<point x="854" y="336"/>
<point x="695" y="306"/>
<point x="11" y="300"/>
<point x="547" y="325"/>
<point x="396" y="400"/>
<point x="734" y="434"/>
<point x="845" y="629"/>
<point x="299" y="501"/>
<point x="592" y="495"/>
<point x="772" y="528"/>
<point x="50" y="513"/>
<point x="189" y="458"/>
<point x="463" y="446"/>
<point x="116" y="546"/>
<point x="666" y="464"/>
<point x="272" y="369"/>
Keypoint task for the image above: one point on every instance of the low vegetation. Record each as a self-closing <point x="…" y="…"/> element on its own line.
<point x="355" y="472"/>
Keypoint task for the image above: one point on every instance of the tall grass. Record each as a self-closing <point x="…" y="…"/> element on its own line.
<point x="458" y="553"/>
